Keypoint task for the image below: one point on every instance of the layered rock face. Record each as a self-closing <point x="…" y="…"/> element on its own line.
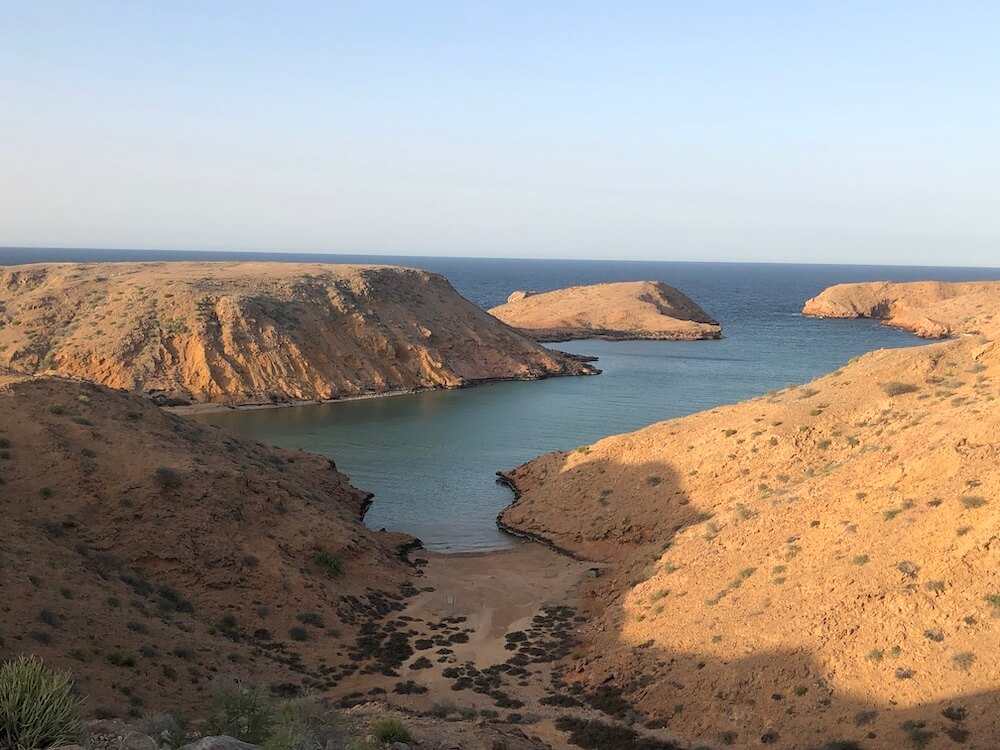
<point x="932" y="309"/>
<point x="145" y="551"/>
<point x="816" y="565"/>
<point x="621" y="311"/>
<point x="236" y="333"/>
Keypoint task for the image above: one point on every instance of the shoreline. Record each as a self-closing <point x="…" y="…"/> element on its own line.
<point x="214" y="408"/>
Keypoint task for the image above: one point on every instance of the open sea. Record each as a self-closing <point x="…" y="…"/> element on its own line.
<point x="431" y="458"/>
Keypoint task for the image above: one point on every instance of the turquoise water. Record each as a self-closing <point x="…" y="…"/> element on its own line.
<point x="431" y="458"/>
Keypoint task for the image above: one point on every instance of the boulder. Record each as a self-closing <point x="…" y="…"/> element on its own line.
<point x="220" y="742"/>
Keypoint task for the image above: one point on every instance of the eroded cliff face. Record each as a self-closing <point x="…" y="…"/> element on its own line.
<point x="237" y="333"/>
<point x="932" y="309"/>
<point x="620" y="311"/>
<point x="818" y="564"/>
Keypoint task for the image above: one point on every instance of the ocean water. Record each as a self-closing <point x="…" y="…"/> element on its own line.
<point x="431" y="458"/>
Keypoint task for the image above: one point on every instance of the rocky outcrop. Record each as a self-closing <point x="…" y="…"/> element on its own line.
<point x="619" y="311"/>
<point x="932" y="309"/>
<point x="238" y="333"/>
<point x="813" y="566"/>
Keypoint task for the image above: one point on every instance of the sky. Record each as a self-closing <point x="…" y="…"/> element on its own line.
<point x="853" y="132"/>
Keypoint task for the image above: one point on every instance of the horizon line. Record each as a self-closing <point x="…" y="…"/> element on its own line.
<point x="70" y="248"/>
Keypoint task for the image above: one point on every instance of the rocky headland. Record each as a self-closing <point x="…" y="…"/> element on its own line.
<point x="814" y="566"/>
<point x="258" y="333"/>
<point x="619" y="311"/>
<point x="932" y="309"/>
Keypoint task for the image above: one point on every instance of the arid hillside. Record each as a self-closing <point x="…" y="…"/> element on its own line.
<point x="237" y="333"/>
<point x="933" y="309"/>
<point x="149" y="554"/>
<point x="624" y="310"/>
<point x="818" y="565"/>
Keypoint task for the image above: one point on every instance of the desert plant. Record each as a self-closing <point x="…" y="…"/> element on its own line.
<point x="331" y="564"/>
<point x="388" y="729"/>
<point x="167" y="478"/>
<point x="964" y="660"/>
<point x="241" y="711"/>
<point x="38" y="708"/>
<point x="973" y="501"/>
<point x="305" y="724"/>
<point x="895" y="388"/>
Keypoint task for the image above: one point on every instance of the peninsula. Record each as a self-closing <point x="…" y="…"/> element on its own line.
<point x="258" y="333"/>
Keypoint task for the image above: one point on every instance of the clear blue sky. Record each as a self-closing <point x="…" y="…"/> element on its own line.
<point x="777" y="131"/>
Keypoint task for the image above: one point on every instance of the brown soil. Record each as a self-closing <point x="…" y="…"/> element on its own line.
<point x="933" y="309"/>
<point x="818" y="564"/>
<point x="625" y="310"/>
<point x="237" y="333"/>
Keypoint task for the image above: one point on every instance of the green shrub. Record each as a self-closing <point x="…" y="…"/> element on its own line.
<point x="331" y="564"/>
<point x="245" y="713"/>
<point x="311" y="618"/>
<point x="37" y="706"/>
<point x="305" y="724"/>
<point x="388" y="729"/>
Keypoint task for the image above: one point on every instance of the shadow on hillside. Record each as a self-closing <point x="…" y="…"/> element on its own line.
<point x="784" y="698"/>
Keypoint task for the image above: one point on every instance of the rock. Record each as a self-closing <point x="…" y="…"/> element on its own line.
<point x="519" y="295"/>
<point x="138" y="741"/>
<point x="220" y="742"/>
<point x="399" y="746"/>
<point x="930" y="309"/>
<point x="620" y="311"/>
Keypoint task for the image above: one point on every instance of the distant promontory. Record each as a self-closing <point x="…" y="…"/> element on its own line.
<point x="932" y="309"/>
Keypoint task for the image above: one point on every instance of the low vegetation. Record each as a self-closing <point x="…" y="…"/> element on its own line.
<point x="38" y="706"/>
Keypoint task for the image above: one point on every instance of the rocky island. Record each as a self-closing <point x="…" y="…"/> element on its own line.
<point x="618" y="311"/>
<point x="252" y="333"/>
<point x="932" y="309"/>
